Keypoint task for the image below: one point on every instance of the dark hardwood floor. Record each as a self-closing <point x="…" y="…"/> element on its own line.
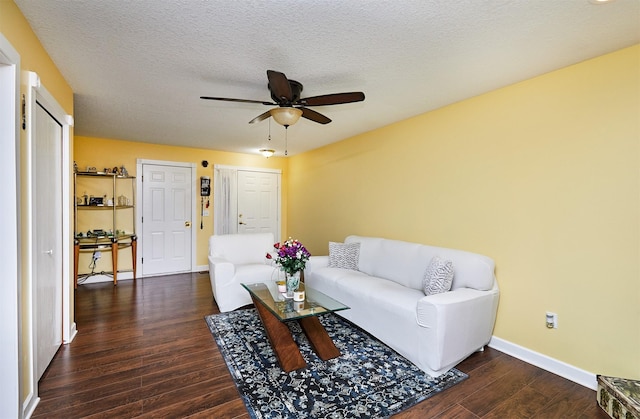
<point x="143" y="349"/>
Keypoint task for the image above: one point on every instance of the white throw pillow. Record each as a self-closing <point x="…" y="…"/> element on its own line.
<point x="438" y="277"/>
<point x="344" y="255"/>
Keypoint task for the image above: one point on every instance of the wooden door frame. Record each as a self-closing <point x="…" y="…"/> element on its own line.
<point x="140" y="203"/>
<point x="37" y="93"/>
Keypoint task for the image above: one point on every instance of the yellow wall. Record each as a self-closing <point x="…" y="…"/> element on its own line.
<point x="34" y="58"/>
<point x="102" y="153"/>
<point x="543" y="176"/>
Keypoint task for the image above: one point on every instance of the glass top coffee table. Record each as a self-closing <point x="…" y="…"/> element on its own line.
<point x="274" y="309"/>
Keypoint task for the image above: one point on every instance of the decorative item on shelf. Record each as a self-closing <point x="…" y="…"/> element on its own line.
<point x="123" y="201"/>
<point x="292" y="258"/>
<point x="96" y="200"/>
<point x="123" y="171"/>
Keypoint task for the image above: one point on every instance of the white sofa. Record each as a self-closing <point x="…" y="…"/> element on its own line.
<point x="235" y="259"/>
<point x="386" y="298"/>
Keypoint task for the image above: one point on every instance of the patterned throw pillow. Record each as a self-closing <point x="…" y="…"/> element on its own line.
<point x="438" y="277"/>
<point x="344" y="255"/>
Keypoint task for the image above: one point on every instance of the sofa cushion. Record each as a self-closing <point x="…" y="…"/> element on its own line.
<point x="438" y="276"/>
<point x="405" y="263"/>
<point x="398" y="261"/>
<point x="344" y="255"/>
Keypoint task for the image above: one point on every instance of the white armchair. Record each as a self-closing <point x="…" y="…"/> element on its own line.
<point x="235" y="259"/>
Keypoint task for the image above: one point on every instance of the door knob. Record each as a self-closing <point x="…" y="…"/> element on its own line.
<point x="48" y="252"/>
<point x="187" y="223"/>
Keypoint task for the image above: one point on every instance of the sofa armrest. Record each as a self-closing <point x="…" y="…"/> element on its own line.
<point x="314" y="263"/>
<point x="221" y="271"/>
<point x="459" y="322"/>
<point x="463" y="305"/>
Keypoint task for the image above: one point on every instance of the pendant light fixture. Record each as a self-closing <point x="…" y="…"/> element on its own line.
<point x="268" y="151"/>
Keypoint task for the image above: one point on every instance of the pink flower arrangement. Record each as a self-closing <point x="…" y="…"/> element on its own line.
<point x="291" y="255"/>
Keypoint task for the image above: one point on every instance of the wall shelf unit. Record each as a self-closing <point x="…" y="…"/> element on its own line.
<point x="104" y="221"/>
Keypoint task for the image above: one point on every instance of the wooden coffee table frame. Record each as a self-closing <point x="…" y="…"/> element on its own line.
<point x="286" y="350"/>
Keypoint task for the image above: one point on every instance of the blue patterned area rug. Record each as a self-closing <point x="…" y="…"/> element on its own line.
<point x="369" y="380"/>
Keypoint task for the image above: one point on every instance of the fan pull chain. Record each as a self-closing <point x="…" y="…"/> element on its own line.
<point x="286" y="140"/>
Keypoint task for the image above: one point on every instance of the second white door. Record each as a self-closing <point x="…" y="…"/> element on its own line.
<point x="167" y="200"/>
<point x="258" y="202"/>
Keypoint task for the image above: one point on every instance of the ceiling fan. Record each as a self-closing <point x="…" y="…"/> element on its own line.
<point x="285" y="94"/>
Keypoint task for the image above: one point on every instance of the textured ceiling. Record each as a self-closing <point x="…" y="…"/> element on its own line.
<point x="138" y="68"/>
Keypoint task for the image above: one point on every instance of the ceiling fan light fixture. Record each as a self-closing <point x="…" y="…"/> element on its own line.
<point x="286" y="116"/>
<point x="267" y="152"/>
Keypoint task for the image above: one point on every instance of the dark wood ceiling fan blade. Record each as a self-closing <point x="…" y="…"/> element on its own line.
<point x="227" y="99"/>
<point x="332" y="99"/>
<point x="279" y="86"/>
<point x="261" y="117"/>
<point x="315" y="116"/>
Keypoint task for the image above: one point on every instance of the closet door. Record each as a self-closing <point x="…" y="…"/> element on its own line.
<point x="47" y="205"/>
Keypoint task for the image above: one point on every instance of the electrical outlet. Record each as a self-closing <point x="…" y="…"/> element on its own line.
<point x="552" y="320"/>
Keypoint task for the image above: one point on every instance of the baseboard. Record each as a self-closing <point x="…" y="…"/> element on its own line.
<point x="29" y="406"/>
<point x="72" y="333"/>
<point x="202" y="268"/>
<point x="575" y="374"/>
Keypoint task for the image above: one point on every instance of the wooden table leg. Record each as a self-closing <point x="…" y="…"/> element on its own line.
<point x="76" y="258"/>
<point x="319" y="339"/>
<point x="114" y="260"/>
<point x="286" y="350"/>
<point x="134" y="254"/>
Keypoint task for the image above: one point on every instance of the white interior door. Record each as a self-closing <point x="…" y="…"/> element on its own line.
<point x="47" y="238"/>
<point x="258" y="202"/>
<point x="167" y="200"/>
